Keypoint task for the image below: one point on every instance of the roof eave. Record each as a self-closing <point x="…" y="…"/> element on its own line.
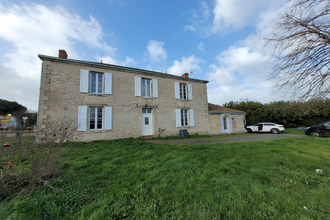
<point x="122" y="68"/>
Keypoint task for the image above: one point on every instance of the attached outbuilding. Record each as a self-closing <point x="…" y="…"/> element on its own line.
<point x="224" y="120"/>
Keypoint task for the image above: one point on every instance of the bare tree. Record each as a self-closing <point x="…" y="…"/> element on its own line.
<point x="300" y="41"/>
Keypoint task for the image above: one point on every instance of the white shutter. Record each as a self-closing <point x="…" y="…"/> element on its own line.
<point x="108" y="83"/>
<point x="107" y="118"/>
<point x="84" y="80"/>
<point x="82" y="118"/>
<point x="192" y="117"/>
<point x="177" y="90"/>
<point x="231" y="124"/>
<point x="137" y="86"/>
<point x="178" y="117"/>
<point x="190" y="95"/>
<point x="222" y="125"/>
<point x="155" y="88"/>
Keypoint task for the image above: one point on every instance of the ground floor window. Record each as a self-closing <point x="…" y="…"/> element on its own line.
<point x="95" y="118"/>
<point x="225" y="126"/>
<point x="184" y="117"/>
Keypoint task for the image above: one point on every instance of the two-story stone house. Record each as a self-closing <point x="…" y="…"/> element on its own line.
<point x="109" y="101"/>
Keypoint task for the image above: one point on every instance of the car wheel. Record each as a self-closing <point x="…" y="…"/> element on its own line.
<point x="249" y="130"/>
<point x="315" y="134"/>
<point x="275" y="131"/>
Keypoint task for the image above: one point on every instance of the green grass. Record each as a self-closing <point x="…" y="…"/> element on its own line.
<point x="133" y="179"/>
<point x="294" y="131"/>
<point x="194" y="136"/>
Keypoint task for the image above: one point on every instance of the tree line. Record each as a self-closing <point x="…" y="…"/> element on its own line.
<point x="18" y="111"/>
<point x="289" y="113"/>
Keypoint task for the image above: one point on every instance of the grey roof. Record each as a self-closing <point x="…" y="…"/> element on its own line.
<point x="116" y="67"/>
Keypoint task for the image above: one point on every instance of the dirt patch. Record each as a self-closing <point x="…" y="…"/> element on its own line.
<point x="254" y="137"/>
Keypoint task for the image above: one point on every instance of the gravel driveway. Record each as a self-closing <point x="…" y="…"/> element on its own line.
<point x="252" y="137"/>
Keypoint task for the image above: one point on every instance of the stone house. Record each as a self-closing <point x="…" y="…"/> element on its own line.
<point x="109" y="101"/>
<point x="226" y="120"/>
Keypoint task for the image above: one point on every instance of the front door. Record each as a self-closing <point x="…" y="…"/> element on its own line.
<point x="146" y="121"/>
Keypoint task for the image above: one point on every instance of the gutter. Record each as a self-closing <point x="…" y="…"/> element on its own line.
<point x="121" y="68"/>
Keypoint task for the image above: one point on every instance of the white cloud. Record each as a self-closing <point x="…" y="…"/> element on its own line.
<point x="200" y="47"/>
<point x="31" y="29"/>
<point x="245" y="62"/>
<point x="200" y="19"/>
<point x="244" y="69"/>
<point x="156" y="50"/>
<point x="237" y="14"/>
<point x="190" y="28"/>
<point x="240" y="73"/>
<point x="186" y="65"/>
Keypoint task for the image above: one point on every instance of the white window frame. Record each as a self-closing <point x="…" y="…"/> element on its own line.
<point x="101" y="85"/>
<point x="146" y="85"/>
<point x="98" y="84"/>
<point x="183" y="91"/>
<point x="185" y="117"/>
<point x="98" y="113"/>
<point x="146" y="90"/>
<point x="84" y="119"/>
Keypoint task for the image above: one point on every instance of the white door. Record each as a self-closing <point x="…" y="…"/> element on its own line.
<point x="146" y="121"/>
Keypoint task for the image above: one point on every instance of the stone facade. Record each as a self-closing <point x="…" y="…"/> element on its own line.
<point x="225" y="120"/>
<point x="121" y="116"/>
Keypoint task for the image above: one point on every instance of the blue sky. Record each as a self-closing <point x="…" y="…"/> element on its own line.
<point x="216" y="40"/>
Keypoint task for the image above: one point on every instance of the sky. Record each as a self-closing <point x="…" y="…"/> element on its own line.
<point x="217" y="40"/>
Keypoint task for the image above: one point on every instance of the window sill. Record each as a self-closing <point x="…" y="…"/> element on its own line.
<point x="147" y="97"/>
<point x="100" y="95"/>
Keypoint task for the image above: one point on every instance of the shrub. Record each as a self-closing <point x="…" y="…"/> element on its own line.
<point x="31" y="160"/>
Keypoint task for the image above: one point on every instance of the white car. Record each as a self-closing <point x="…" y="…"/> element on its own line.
<point x="265" y="127"/>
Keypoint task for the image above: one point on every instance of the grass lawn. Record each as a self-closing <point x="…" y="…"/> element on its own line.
<point x="133" y="179"/>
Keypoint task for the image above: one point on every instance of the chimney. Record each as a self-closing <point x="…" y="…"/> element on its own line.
<point x="62" y="54"/>
<point x="185" y="75"/>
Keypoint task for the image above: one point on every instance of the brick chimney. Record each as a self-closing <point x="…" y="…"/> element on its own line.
<point x="62" y="54"/>
<point x="185" y="75"/>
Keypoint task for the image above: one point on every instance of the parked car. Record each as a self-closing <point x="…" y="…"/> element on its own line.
<point x="320" y="130"/>
<point x="265" y="127"/>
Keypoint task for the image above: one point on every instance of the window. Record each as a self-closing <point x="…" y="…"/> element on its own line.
<point x="183" y="91"/>
<point x="146" y="88"/>
<point x="95" y="83"/>
<point x="225" y="123"/>
<point x="185" y="117"/>
<point x="146" y="110"/>
<point x="95" y="118"/>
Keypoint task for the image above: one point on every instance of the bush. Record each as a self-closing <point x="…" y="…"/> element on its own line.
<point x="29" y="161"/>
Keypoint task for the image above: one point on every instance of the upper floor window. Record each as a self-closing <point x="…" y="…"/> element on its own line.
<point x="146" y="88"/>
<point x="183" y="91"/>
<point x="95" y="83"/>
